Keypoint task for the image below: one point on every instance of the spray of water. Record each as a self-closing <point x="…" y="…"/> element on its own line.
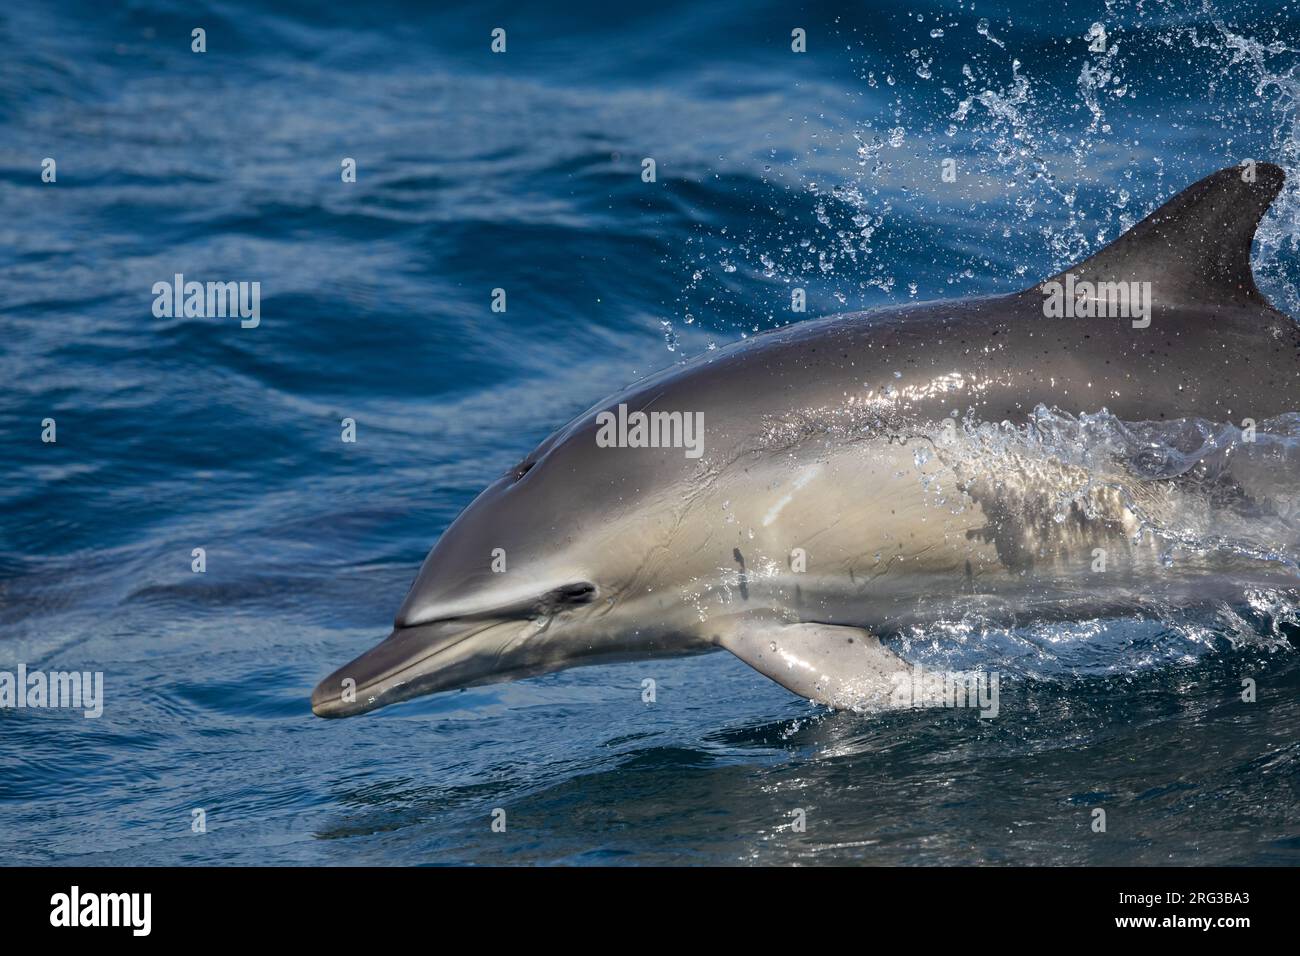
<point x="1056" y="158"/>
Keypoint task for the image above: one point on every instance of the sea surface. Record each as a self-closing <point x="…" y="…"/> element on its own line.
<point x="523" y="171"/>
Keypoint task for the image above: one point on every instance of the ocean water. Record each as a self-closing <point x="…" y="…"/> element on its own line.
<point x="522" y="171"/>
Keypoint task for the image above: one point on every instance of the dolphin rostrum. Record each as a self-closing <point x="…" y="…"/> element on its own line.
<point x="796" y="496"/>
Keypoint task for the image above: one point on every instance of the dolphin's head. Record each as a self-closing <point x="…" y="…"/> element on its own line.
<point x="532" y="577"/>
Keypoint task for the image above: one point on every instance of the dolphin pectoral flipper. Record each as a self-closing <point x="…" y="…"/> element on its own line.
<point x="842" y="667"/>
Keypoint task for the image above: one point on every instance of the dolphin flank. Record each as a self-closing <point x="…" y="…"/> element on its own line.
<point x="797" y="496"/>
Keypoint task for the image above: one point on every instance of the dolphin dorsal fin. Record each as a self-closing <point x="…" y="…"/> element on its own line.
<point x="1195" y="249"/>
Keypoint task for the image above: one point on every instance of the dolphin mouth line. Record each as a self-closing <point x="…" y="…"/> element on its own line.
<point x="424" y="659"/>
<point x="328" y="699"/>
<point x="389" y="671"/>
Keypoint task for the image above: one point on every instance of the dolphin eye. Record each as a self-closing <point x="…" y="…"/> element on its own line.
<point x="521" y="469"/>
<point x="569" y="595"/>
<point x="580" y="593"/>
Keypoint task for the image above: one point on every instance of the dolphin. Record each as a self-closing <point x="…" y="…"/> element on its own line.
<point x="798" y="495"/>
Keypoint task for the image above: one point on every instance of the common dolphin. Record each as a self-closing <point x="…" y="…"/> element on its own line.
<point x="797" y="495"/>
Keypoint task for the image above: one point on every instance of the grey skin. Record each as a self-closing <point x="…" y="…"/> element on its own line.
<point x="829" y="439"/>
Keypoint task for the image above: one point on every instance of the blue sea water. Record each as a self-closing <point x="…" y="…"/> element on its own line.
<point x="522" y="171"/>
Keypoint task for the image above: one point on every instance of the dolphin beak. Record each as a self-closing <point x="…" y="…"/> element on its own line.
<point x="413" y="661"/>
